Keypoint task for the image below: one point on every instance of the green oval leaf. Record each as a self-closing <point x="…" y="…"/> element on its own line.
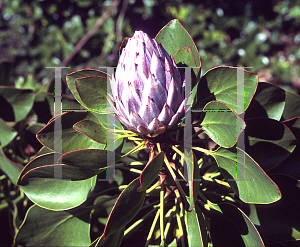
<point x="221" y="124"/>
<point x="174" y="37"/>
<point x="76" y="165"/>
<point x="94" y="159"/>
<point x="42" y="227"/>
<point x="185" y="55"/>
<point x="71" y="139"/>
<point x="150" y="172"/>
<point x="56" y="194"/>
<point x="245" y="177"/>
<point x="221" y="84"/>
<point x="126" y="208"/>
<point x="92" y="91"/>
<point x="80" y="74"/>
<point x="268" y="142"/>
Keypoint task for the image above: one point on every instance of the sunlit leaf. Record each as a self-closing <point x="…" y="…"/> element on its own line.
<point x="92" y="91"/>
<point x="174" y="37"/>
<point x="80" y="74"/>
<point x="221" y="124"/>
<point x="245" y="176"/>
<point x="221" y="84"/>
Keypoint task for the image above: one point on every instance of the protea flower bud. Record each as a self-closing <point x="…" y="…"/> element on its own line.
<point x="147" y="87"/>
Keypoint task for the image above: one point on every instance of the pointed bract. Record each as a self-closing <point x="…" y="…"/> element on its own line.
<point x="147" y="90"/>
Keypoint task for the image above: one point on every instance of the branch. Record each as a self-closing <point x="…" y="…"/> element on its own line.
<point x="90" y="33"/>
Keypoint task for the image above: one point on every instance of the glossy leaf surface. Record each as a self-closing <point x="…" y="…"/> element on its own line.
<point x="174" y="37"/>
<point x="221" y="124"/>
<point x="92" y="91"/>
<point x="221" y="84"/>
<point x="81" y="74"/>
<point x="245" y="177"/>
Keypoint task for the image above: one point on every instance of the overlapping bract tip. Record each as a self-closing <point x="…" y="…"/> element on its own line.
<point x="147" y="87"/>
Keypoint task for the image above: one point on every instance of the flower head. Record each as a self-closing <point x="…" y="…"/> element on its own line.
<point x="147" y="88"/>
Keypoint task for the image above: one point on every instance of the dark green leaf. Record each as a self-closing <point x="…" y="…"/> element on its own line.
<point x="150" y="172"/>
<point x="221" y="124"/>
<point x="268" y="142"/>
<point x="280" y="220"/>
<point x="174" y="37"/>
<point x="43" y="227"/>
<point x="291" y="165"/>
<point x="94" y="159"/>
<point x="245" y="176"/>
<point x="221" y="84"/>
<point x="243" y="224"/>
<point x="268" y="102"/>
<point x="76" y="165"/>
<point x="127" y="206"/>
